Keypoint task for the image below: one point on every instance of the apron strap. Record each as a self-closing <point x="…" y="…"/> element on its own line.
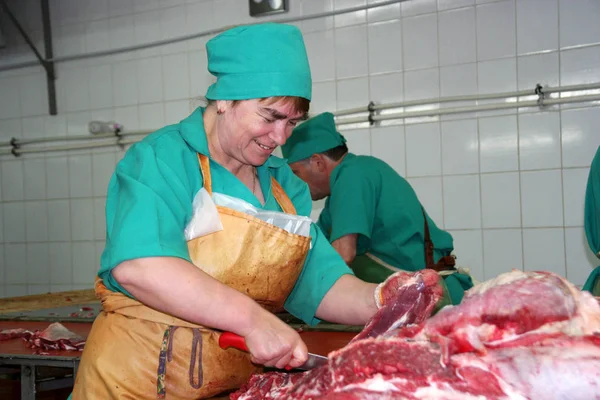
<point x="446" y="263"/>
<point x="428" y="243"/>
<point x="280" y="196"/>
<point x="205" y="171"/>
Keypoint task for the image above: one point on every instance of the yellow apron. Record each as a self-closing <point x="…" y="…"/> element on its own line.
<point x="135" y="352"/>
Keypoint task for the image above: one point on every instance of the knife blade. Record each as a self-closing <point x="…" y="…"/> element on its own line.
<point x="230" y="339"/>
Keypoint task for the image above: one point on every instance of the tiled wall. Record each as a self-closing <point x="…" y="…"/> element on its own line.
<point x="509" y="185"/>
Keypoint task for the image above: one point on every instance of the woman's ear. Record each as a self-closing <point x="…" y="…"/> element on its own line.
<point x="222" y="106"/>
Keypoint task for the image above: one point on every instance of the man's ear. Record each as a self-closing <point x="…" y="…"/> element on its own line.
<point x="318" y="160"/>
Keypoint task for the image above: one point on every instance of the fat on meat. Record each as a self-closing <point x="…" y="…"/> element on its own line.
<point x="520" y="336"/>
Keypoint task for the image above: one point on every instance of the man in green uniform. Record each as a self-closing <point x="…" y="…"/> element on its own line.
<point x="592" y="221"/>
<point x="372" y="215"/>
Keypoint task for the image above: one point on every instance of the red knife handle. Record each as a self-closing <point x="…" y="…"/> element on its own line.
<point x="230" y="339"/>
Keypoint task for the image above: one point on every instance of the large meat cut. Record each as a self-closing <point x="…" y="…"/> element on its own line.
<point x="519" y="336"/>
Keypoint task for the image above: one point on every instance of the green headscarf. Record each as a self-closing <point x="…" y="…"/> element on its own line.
<point x="257" y="61"/>
<point x="314" y="136"/>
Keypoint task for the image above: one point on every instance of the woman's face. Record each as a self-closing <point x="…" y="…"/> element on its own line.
<point x="250" y="130"/>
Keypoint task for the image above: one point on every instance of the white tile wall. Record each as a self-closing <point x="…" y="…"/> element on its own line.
<point x="574" y="184"/>
<point x="508" y="185"/>
<point x="496" y="30"/>
<point x="350" y="91"/>
<point x="461" y="203"/>
<point x="501" y="200"/>
<point x="320" y="47"/>
<point x="544" y="249"/>
<point x="579" y="136"/>
<point x="460" y="146"/>
<point x="352" y="56"/>
<point x="580" y="259"/>
<point x="458" y="80"/>
<point x="388" y="144"/>
<point x="539" y="141"/>
<point x="580" y="65"/>
<point x="468" y="245"/>
<point x="422" y="84"/>
<point x="579" y="23"/>
<point x="457" y="35"/>
<point x="423" y="150"/>
<point x="533" y="17"/>
<point x="420" y="42"/>
<point x="502" y="251"/>
<point x="383" y="13"/>
<point x="382" y="58"/>
<point x="429" y="191"/>
<point x="541" y="198"/>
<point x="498" y="144"/>
<point x="538" y="68"/>
<point x="387" y="88"/>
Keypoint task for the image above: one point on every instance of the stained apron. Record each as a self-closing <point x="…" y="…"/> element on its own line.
<point x="135" y="352"/>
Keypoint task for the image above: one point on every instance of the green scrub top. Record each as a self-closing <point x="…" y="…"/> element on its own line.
<point x="369" y="198"/>
<point x="372" y="200"/>
<point x="149" y="203"/>
<point x="592" y="221"/>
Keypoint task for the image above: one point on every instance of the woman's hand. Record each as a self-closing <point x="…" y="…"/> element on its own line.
<point x="274" y="344"/>
<point x="177" y="287"/>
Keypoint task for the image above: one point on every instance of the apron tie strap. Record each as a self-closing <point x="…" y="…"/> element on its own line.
<point x="446" y="263"/>
<point x="166" y="355"/>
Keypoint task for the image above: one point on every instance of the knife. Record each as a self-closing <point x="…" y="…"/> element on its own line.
<point x="230" y="339"/>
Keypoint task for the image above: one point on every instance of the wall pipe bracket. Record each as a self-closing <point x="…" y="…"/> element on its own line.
<point x="371" y="109"/>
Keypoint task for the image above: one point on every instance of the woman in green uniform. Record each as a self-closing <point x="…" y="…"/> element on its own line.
<point x="592" y="221"/>
<point x="165" y="300"/>
<point x="372" y="215"/>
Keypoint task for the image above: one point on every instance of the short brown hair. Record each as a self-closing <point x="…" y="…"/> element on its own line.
<point x="299" y="104"/>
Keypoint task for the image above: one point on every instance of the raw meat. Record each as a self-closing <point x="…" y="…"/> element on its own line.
<point x="520" y="336"/>
<point x="403" y="299"/>
<point x="8" y="334"/>
<point x="55" y="337"/>
<point x="272" y="385"/>
<point x="513" y="309"/>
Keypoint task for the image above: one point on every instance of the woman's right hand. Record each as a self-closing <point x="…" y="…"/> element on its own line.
<point x="274" y="344"/>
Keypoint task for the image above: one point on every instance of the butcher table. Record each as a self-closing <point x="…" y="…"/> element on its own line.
<point x="76" y="310"/>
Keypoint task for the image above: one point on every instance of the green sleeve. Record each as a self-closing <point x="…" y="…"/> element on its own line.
<point x="324" y="221"/>
<point x="592" y="206"/>
<point x="323" y="265"/>
<point x="147" y="207"/>
<point x="352" y="205"/>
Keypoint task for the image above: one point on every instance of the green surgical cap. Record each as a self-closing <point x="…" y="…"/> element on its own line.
<point x="314" y="136"/>
<point x="257" y="61"/>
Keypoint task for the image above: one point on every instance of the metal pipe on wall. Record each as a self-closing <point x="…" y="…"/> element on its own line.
<point x="361" y="110"/>
<point x="478" y="108"/>
<point x="473" y="97"/>
<point x="119" y="140"/>
<point x="196" y="35"/>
